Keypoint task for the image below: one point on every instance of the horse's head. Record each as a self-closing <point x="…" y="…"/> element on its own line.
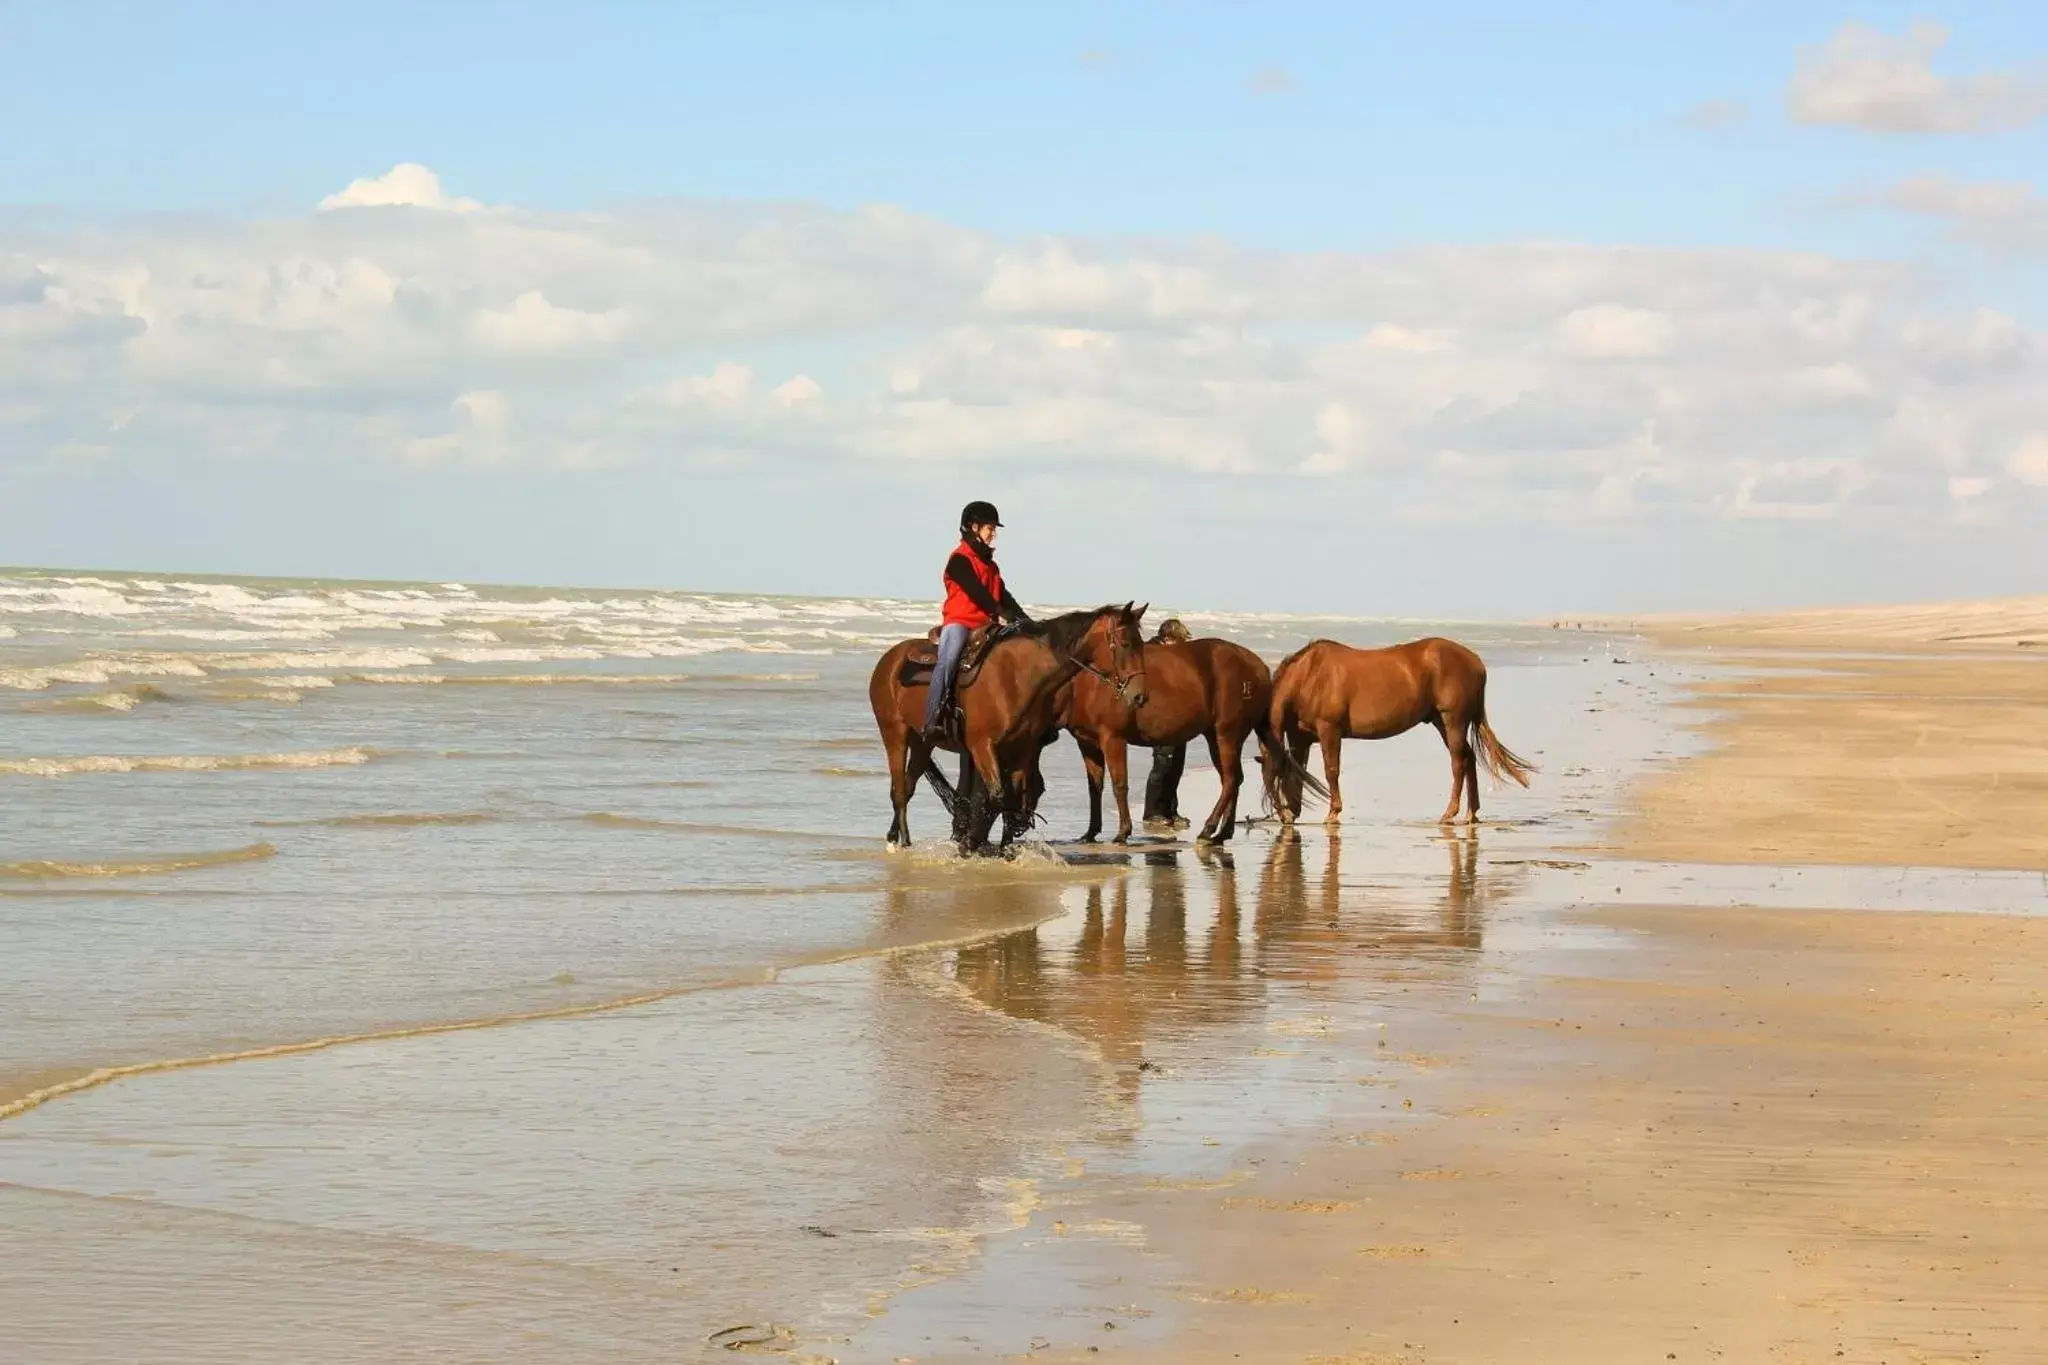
<point x="1117" y="638"/>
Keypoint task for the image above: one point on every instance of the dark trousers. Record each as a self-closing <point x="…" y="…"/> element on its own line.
<point x="1162" y="787"/>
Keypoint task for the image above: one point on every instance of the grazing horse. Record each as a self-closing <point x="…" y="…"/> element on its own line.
<point x="1326" y="693"/>
<point x="1213" y="689"/>
<point x="1009" y="711"/>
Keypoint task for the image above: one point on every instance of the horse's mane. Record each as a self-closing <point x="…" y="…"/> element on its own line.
<point x="1061" y="633"/>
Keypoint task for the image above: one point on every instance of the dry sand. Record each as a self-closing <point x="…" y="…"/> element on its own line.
<point x="1924" y="761"/>
<point x="1738" y="1135"/>
<point x="2005" y="624"/>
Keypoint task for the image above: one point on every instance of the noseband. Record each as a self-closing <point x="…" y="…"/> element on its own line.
<point x="1120" y="685"/>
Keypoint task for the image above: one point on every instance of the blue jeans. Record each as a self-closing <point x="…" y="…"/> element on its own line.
<point x="952" y="640"/>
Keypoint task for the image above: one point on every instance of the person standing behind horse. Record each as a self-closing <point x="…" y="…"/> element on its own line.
<point x="1162" y="784"/>
<point x="975" y="597"/>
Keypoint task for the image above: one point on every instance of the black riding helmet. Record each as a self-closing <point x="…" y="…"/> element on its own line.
<point x="978" y="514"/>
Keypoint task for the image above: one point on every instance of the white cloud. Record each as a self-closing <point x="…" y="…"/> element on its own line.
<point x="729" y="386"/>
<point x="2029" y="461"/>
<point x="2006" y="215"/>
<point x="797" y="391"/>
<point x="1865" y="78"/>
<point x="406" y="185"/>
<point x="1549" y="381"/>
<point x="1053" y="282"/>
<point x="478" y="431"/>
<point x="533" y="326"/>
<point x="1609" y="331"/>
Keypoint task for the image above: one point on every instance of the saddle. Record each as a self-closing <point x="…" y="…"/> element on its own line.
<point x="920" y="660"/>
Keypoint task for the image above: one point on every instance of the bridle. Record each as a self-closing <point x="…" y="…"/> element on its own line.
<point x="1120" y="684"/>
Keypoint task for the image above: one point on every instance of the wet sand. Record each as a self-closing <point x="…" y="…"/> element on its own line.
<point x="1741" y="1136"/>
<point x="1686" y="1132"/>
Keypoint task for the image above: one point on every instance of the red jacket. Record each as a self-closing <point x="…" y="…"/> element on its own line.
<point x="961" y="609"/>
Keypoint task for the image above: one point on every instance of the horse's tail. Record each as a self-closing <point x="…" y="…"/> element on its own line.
<point x="1500" y="760"/>
<point x="1284" y="766"/>
<point x="1273" y="728"/>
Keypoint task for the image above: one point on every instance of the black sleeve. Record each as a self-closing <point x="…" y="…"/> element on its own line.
<point x="959" y="574"/>
<point x="1011" y="611"/>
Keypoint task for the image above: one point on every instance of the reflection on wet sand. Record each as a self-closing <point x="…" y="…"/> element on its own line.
<point x="1191" y="966"/>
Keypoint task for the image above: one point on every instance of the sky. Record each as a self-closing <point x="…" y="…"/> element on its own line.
<point x="1477" y="310"/>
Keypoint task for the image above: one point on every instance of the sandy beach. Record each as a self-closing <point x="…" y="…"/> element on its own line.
<point x="1704" y="1132"/>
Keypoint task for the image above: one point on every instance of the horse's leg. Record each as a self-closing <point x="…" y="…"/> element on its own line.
<point x="1091" y="761"/>
<point x="903" y="753"/>
<point x="966" y="805"/>
<point x="1332" y="740"/>
<point x="1226" y="752"/>
<point x="1119" y="755"/>
<point x="1290" y="781"/>
<point x="1463" y="770"/>
<point x="993" y="788"/>
<point x="1471" y="779"/>
<point x="1018" y="800"/>
<point x="1461" y="755"/>
<point x="1471" y="772"/>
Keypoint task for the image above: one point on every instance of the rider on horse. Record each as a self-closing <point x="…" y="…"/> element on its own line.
<point x="975" y="597"/>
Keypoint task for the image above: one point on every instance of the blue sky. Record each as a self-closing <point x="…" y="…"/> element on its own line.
<point x="1406" y="123"/>
<point x="1188" y="185"/>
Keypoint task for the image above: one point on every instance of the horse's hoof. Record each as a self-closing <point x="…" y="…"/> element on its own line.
<point x="1087" y="838"/>
<point x="1123" y="838"/>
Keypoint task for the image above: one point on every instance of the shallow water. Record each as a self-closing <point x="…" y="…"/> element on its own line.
<point x="852" y="1082"/>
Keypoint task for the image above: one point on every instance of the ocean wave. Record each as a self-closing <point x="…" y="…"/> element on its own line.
<point x="146" y="865"/>
<point x="610" y="820"/>
<point x="120" y="699"/>
<point x="430" y="817"/>
<point x="851" y="772"/>
<point x="181" y="763"/>
<point x="316" y="661"/>
<point x="96" y="669"/>
<point x="575" y="679"/>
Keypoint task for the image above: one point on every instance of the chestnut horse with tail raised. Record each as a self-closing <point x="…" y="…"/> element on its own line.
<point x="1326" y="693"/>
<point x="1008" y="711"/>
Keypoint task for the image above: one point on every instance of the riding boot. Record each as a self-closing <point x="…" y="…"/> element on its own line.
<point x="933" y="733"/>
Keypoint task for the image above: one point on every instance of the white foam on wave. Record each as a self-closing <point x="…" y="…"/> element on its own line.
<point x="341" y="628"/>
<point x="77" y="764"/>
<point x="323" y="661"/>
<point x="96" y="669"/>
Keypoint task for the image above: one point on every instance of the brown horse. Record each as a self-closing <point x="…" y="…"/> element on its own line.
<point x="1009" y="710"/>
<point x="1213" y="689"/>
<point x="1326" y="693"/>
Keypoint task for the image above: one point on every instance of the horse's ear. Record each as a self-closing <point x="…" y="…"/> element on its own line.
<point x="1139" y="614"/>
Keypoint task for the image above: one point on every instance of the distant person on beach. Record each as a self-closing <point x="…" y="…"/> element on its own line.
<point x="1162" y="786"/>
<point x="975" y="597"/>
